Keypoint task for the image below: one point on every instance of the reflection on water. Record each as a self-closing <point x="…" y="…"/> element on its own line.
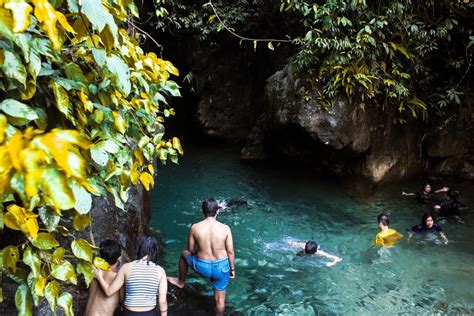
<point x="416" y="276"/>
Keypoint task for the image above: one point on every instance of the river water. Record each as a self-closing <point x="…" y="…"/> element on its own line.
<point x="417" y="276"/>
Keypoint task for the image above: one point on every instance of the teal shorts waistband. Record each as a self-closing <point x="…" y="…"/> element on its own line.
<point x="212" y="261"/>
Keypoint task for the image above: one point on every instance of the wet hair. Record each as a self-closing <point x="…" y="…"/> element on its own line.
<point x="425" y="217"/>
<point x="452" y="194"/>
<point x="210" y="207"/>
<point x="382" y="218"/>
<point x="311" y="247"/>
<point x="424" y="186"/>
<point x="110" y="251"/>
<point x="147" y="246"/>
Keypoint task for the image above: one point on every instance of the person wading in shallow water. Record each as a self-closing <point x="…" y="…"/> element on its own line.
<point x="426" y="193"/>
<point x="210" y="253"/>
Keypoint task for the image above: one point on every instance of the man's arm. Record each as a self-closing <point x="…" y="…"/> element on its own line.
<point x="443" y="236"/>
<point x="229" y="247"/>
<point x="191" y="241"/>
<point x="335" y="259"/>
<point x="116" y="284"/>
<point x="162" y="291"/>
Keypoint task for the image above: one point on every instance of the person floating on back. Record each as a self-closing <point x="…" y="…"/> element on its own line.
<point x="428" y="226"/>
<point x="450" y="205"/>
<point x="311" y="248"/>
<point x="210" y="253"/>
<point x="144" y="280"/>
<point x="98" y="303"/>
<point x="426" y="193"/>
<point x="387" y="237"/>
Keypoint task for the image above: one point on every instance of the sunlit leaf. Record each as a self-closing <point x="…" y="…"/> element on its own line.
<point x="99" y="155"/>
<point x="23" y="300"/>
<point x="82" y="249"/>
<point x="147" y="180"/>
<point x="57" y="189"/>
<point x="31" y="259"/>
<point x="101" y="263"/>
<point x="11" y="255"/>
<point x="177" y="145"/>
<point x="121" y="73"/>
<point x="99" y="17"/>
<point x="45" y="241"/>
<point x="65" y="301"/>
<point x="85" y="268"/>
<point x="57" y="255"/>
<point x="19" y="110"/>
<point x="51" y="293"/>
<point x="62" y="100"/>
<point x="49" y="218"/>
<point x="64" y="272"/>
<point x="120" y="123"/>
<point x="21" y="14"/>
<point x="79" y="222"/>
<point x="13" y="67"/>
<point x="39" y="286"/>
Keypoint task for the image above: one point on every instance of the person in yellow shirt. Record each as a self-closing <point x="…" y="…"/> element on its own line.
<point x="387" y="237"/>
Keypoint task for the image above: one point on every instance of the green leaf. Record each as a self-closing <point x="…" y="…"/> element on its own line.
<point x="1" y="219"/>
<point x="65" y="301"/>
<point x="49" y="218"/>
<point x="74" y="72"/>
<point x="18" y="110"/>
<point x="98" y="16"/>
<point x="270" y="46"/>
<point x="73" y="6"/>
<point x="51" y="292"/>
<point x="110" y="146"/>
<point x="69" y="84"/>
<point x="79" y="222"/>
<point x="121" y="73"/>
<point x="99" y="155"/>
<point x="62" y="100"/>
<point x="85" y="268"/>
<point x="31" y="259"/>
<point x="99" y="56"/>
<point x="11" y="255"/>
<point x="42" y="120"/>
<point x="45" y="241"/>
<point x="13" y="67"/>
<point x="83" y="199"/>
<point x="172" y="88"/>
<point x="57" y="255"/>
<point x="64" y="272"/>
<point x="57" y="189"/>
<point x="82" y="249"/>
<point x="42" y="46"/>
<point x="23" y="300"/>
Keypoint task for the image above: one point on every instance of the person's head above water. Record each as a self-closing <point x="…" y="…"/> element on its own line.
<point x="310" y="248"/>
<point x="110" y="251"/>
<point x="426" y="188"/>
<point x="147" y="246"/>
<point x="383" y="219"/>
<point x="452" y="194"/>
<point x="427" y="220"/>
<point x="210" y="207"/>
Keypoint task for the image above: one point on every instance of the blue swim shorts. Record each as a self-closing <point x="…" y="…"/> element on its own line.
<point x="218" y="271"/>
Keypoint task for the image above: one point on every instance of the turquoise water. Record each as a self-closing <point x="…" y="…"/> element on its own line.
<point x="418" y="276"/>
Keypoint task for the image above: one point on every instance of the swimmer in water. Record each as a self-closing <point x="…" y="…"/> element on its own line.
<point x="428" y="225"/>
<point x="450" y="205"/>
<point x="426" y="193"/>
<point x="387" y="237"/>
<point x="232" y="204"/>
<point x="311" y="248"/>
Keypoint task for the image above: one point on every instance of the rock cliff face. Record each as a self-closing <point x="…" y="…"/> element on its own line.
<point x="342" y="139"/>
<point x="108" y="222"/>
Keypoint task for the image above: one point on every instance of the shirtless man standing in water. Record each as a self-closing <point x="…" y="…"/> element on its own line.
<point x="210" y="253"/>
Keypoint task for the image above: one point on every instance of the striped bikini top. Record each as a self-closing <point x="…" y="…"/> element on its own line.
<point x="142" y="285"/>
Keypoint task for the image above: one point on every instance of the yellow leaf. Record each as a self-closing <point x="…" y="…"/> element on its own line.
<point x="15" y="145"/>
<point x="5" y="169"/>
<point x="85" y="100"/>
<point x="140" y="158"/>
<point x="31" y="227"/>
<point x="46" y="14"/>
<point x="30" y="90"/>
<point x="151" y="169"/>
<point x="101" y="263"/>
<point x="64" y="23"/>
<point x="21" y="14"/>
<point x="134" y="175"/>
<point x="177" y="145"/>
<point x="40" y="284"/>
<point x="3" y="127"/>
<point x="120" y="123"/>
<point x="98" y="116"/>
<point x="11" y="222"/>
<point x="147" y="180"/>
<point x="79" y="222"/>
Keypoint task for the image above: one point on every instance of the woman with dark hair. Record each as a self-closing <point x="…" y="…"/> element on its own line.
<point x="450" y="205"/>
<point x="428" y="225"/>
<point x="426" y="193"/>
<point x="144" y="280"/>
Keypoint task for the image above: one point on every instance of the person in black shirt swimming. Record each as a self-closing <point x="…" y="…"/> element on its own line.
<point x="428" y="225"/>
<point x="426" y="193"/>
<point x="449" y="206"/>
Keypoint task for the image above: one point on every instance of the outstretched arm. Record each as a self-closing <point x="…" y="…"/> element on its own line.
<point x="408" y="193"/>
<point x="229" y="247"/>
<point x="116" y="284"/>
<point x="443" y="236"/>
<point x="443" y="189"/>
<point x="335" y="259"/>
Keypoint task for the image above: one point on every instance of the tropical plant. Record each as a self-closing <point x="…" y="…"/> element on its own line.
<point x="81" y="114"/>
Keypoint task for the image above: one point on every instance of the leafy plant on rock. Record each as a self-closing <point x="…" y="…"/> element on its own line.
<point x="81" y="114"/>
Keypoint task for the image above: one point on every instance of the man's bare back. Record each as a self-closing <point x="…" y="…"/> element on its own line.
<point x="99" y="304"/>
<point x="208" y="239"/>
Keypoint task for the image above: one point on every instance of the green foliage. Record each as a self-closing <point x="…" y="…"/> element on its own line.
<point x="394" y="52"/>
<point x="81" y="114"/>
